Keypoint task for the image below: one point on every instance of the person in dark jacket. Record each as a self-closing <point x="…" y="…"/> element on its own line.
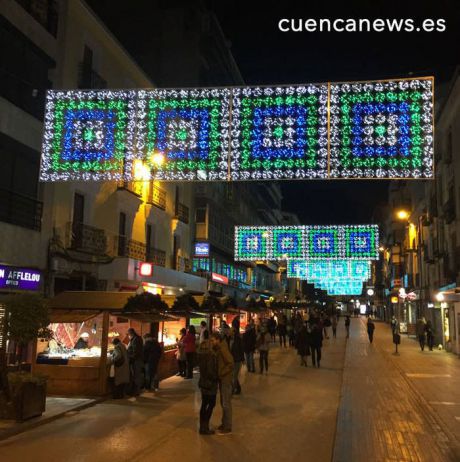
<point x="208" y="383"/>
<point x="152" y="355"/>
<point x="271" y="325"/>
<point x="249" y="347"/>
<point x="316" y="343"/>
<point x="282" y="331"/>
<point x="347" y="325"/>
<point x="429" y="335"/>
<point x="236" y="348"/>
<point x="136" y="361"/>
<point x="370" y="329"/>
<point x="302" y="345"/>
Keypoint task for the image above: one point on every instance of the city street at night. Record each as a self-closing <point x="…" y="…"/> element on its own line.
<point x="229" y="231"/>
<point x="362" y="404"/>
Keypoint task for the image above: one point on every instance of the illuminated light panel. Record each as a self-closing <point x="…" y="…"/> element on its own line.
<point x="279" y="132"/>
<point x="190" y="128"/>
<point x="375" y="129"/>
<point x="382" y="129"/>
<point x="337" y="270"/>
<point x="341" y="287"/>
<point x="88" y="135"/>
<point x="334" y="242"/>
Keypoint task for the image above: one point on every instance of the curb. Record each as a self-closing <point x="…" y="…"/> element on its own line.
<point x="29" y="425"/>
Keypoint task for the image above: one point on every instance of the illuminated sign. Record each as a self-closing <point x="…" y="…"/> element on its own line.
<point x="19" y="278"/>
<point x="219" y="278"/>
<point x="202" y="249"/>
<point x="146" y="269"/>
<point x="152" y="288"/>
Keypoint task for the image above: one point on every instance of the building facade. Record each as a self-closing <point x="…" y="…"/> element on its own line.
<point x="421" y="260"/>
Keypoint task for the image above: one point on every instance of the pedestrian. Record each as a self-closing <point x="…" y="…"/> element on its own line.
<point x="236" y="348"/>
<point x="249" y="347"/>
<point x="263" y="345"/>
<point x="316" y="343"/>
<point x="225" y="374"/>
<point x="120" y="362"/>
<point x="136" y="361"/>
<point x="326" y="323"/>
<point x="303" y="345"/>
<point x="272" y="328"/>
<point x="420" y="329"/>
<point x="429" y="335"/>
<point x="290" y="332"/>
<point x="208" y="382"/>
<point x="180" y="354"/>
<point x="394" y="325"/>
<point x="190" y="351"/>
<point x="370" y="329"/>
<point x="282" y="330"/>
<point x="347" y="325"/>
<point x="334" y="326"/>
<point x="152" y="355"/>
<point x="203" y="329"/>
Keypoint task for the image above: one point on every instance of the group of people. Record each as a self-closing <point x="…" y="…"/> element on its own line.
<point x="425" y="335"/>
<point x="135" y="367"/>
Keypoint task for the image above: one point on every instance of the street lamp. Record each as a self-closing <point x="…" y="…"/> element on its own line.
<point x="370" y="292"/>
<point x="402" y="214"/>
<point x="440" y="297"/>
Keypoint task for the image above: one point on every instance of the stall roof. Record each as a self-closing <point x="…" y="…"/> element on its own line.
<point x="90" y="300"/>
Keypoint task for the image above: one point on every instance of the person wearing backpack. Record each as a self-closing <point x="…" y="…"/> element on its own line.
<point x="119" y="360"/>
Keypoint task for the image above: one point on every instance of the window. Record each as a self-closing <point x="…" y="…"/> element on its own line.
<point x="200" y="215"/>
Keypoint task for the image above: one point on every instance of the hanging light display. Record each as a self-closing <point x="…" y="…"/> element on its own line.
<point x="382" y="129"/>
<point x="354" y="242"/>
<point x="279" y="132"/>
<point x="343" y="130"/>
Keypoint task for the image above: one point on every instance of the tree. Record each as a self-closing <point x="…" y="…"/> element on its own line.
<point x="145" y="303"/>
<point x="185" y="303"/>
<point x="211" y="304"/>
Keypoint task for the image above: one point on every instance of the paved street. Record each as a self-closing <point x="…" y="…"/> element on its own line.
<point x="391" y="408"/>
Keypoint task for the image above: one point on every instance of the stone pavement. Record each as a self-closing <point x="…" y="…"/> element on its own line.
<point x="289" y="414"/>
<point x="393" y="408"/>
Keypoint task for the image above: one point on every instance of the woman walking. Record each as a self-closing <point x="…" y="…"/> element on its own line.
<point x="120" y="362"/>
<point x="302" y="345"/>
<point x="334" y="326"/>
<point x="263" y="342"/>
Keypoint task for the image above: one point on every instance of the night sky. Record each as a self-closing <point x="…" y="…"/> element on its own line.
<point x="267" y="56"/>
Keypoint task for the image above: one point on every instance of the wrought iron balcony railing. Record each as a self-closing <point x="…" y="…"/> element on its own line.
<point x="130" y="248"/>
<point x="156" y="256"/>
<point x="182" y="213"/>
<point x="88" y="239"/>
<point x="157" y="197"/>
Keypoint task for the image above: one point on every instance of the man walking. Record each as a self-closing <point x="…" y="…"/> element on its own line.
<point x="370" y="329"/>
<point x="421" y="331"/>
<point x="316" y="342"/>
<point x="347" y="325"/>
<point x="224" y="373"/>
<point x="249" y="347"/>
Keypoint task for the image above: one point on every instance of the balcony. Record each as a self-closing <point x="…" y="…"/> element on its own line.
<point x="157" y="197"/>
<point x="43" y="11"/>
<point x="182" y="213"/>
<point x="88" y="239"/>
<point x="134" y="187"/>
<point x="156" y="256"/>
<point x="130" y="248"/>
<point x="20" y="210"/>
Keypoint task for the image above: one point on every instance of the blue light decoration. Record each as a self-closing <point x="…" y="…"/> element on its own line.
<point x="252" y="243"/>
<point x="279" y="132"/>
<point x="335" y="288"/>
<point x="359" y="130"/>
<point x="382" y="129"/>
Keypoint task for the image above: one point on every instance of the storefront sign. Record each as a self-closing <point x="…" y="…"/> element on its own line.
<point x="146" y="269"/>
<point x="202" y="249"/>
<point x="19" y="278"/>
<point x="219" y="278"/>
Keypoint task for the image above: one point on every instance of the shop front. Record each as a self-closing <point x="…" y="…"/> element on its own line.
<point x="84" y="324"/>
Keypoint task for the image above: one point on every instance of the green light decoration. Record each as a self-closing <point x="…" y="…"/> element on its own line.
<point x="381" y="129"/>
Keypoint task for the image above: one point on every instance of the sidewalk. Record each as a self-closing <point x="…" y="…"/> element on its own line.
<point x="55" y="408"/>
<point x="289" y="414"/>
<point x="385" y="412"/>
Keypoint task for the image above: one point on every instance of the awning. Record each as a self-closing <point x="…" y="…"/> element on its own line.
<point x="149" y="317"/>
<point x="90" y="300"/>
<point x="72" y="315"/>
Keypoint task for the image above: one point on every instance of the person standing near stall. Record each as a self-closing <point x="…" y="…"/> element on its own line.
<point x="152" y="355"/>
<point x="180" y="354"/>
<point x="190" y="350"/>
<point x="119" y="360"/>
<point x="136" y="361"/>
